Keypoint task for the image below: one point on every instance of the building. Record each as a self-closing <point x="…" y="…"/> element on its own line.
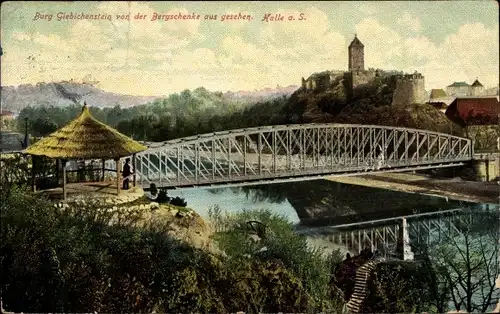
<point x="439" y="100"/>
<point x="356" y="74"/>
<point x="477" y="89"/>
<point x="462" y="89"/>
<point x="6" y="119"/>
<point x="437" y="93"/>
<point x="471" y="111"/>
<point x="409" y="88"/>
<point x="11" y="141"/>
<point x="458" y="89"/>
<point x="356" y="55"/>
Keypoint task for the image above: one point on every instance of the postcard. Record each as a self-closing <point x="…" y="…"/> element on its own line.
<point x="250" y="156"/>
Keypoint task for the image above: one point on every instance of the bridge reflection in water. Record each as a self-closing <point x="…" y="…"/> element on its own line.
<point x="395" y="237"/>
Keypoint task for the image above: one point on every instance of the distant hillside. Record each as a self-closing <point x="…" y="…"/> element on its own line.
<point x="263" y="94"/>
<point x="68" y="93"/>
<point x="63" y="94"/>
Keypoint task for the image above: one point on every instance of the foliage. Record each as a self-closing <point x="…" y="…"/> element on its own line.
<point x="465" y="265"/>
<point x="18" y="169"/>
<point x="86" y="258"/>
<point x="178" y="201"/>
<point x="484" y="136"/>
<point x="398" y="287"/>
<point x="179" y="115"/>
<point x="163" y="197"/>
<point x="276" y="240"/>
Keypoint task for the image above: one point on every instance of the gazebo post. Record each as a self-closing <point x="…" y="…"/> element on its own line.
<point x="103" y="168"/>
<point x="133" y="166"/>
<point x="63" y="162"/>
<point x="33" y="172"/>
<point x="58" y="168"/>
<point x="118" y="165"/>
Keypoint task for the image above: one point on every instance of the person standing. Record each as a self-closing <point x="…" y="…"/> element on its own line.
<point x="127" y="172"/>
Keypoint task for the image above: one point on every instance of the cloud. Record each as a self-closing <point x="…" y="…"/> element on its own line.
<point x="472" y="51"/>
<point x="166" y="57"/>
<point x="21" y="36"/>
<point x="367" y="8"/>
<point x="410" y="22"/>
<point x="382" y="43"/>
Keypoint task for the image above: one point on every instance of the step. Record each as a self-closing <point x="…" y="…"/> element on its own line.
<point x="356" y="300"/>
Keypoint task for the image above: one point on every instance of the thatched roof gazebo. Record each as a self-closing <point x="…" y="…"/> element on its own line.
<point x="86" y="138"/>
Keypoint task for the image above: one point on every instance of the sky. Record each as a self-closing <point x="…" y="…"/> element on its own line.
<point x="446" y="41"/>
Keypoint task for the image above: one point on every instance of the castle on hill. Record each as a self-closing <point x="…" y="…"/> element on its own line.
<point x="410" y="88"/>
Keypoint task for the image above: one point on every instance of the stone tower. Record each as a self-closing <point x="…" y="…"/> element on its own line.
<point x="410" y="89"/>
<point x="356" y="55"/>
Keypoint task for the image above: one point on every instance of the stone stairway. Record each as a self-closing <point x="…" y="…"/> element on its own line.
<point x="360" y="287"/>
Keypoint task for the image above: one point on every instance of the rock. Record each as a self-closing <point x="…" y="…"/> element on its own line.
<point x="181" y="214"/>
<point x="154" y="205"/>
<point x="174" y="212"/>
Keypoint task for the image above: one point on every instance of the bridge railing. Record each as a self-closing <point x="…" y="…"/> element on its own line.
<point x="295" y="150"/>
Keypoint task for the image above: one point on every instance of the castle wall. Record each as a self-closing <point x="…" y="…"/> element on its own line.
<point x="409" y="90"/>
<point x="362" y="77"/>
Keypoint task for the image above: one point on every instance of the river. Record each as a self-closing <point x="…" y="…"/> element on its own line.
<point x="322" y="208"/>
<point x="347" y="217"/>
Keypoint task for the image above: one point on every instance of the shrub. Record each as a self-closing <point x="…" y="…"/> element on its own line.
<point x="82" y="259"/>
<point x="278" y="241"/>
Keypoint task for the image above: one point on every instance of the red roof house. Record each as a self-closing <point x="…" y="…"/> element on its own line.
<point x="468" y="111"/>
<point x="6" y="113"/>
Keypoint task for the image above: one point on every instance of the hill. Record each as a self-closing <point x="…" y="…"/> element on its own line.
<point x="60" y="94"/>
<point x="261" y="95"/>
<point x="369" y="103"/>
<point x="64" y="93"/>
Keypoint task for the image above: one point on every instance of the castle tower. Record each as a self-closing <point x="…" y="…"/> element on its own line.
<point x="410" y="89"/>
<point x="356" y="55"/>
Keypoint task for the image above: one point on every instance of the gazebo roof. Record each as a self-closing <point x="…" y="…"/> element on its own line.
<point x="85" y="138"/>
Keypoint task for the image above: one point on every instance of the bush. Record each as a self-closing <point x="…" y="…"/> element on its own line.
<point x="178" y="201"/>
<point x="82" y="259"/>
<point x="277" y="240"/>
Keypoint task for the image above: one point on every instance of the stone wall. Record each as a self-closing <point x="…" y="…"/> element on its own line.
<point x="356" y="59"/>
<point x="362" y="77"/>
<point x="486" y="167"/>
<point x="410" y="89"/>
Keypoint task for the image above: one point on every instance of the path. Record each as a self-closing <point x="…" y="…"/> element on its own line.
<point x="456" y="188"/>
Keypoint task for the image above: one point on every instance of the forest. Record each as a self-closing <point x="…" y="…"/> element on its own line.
<point x="182" y="114"/>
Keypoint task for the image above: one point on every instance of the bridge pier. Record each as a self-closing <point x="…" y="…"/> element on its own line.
<point x="486" y="166"/>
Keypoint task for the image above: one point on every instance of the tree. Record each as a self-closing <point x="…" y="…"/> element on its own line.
<point x="467" y="261"/>
<point x="43" y="126"/>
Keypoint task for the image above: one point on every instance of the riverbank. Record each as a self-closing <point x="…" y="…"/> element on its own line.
<point x="456" y="188"/>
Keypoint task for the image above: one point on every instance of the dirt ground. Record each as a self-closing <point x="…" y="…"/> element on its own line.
<point x="456" y="188"/>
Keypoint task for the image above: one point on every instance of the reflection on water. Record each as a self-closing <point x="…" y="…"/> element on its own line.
<point x="233" y="201"/>
<point x="316" y="202"/>
<point x="402" y="225"/>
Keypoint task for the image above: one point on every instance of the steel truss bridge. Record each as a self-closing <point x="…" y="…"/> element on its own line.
<point x="292" y="152"/>
<point x="393" y="236"/>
